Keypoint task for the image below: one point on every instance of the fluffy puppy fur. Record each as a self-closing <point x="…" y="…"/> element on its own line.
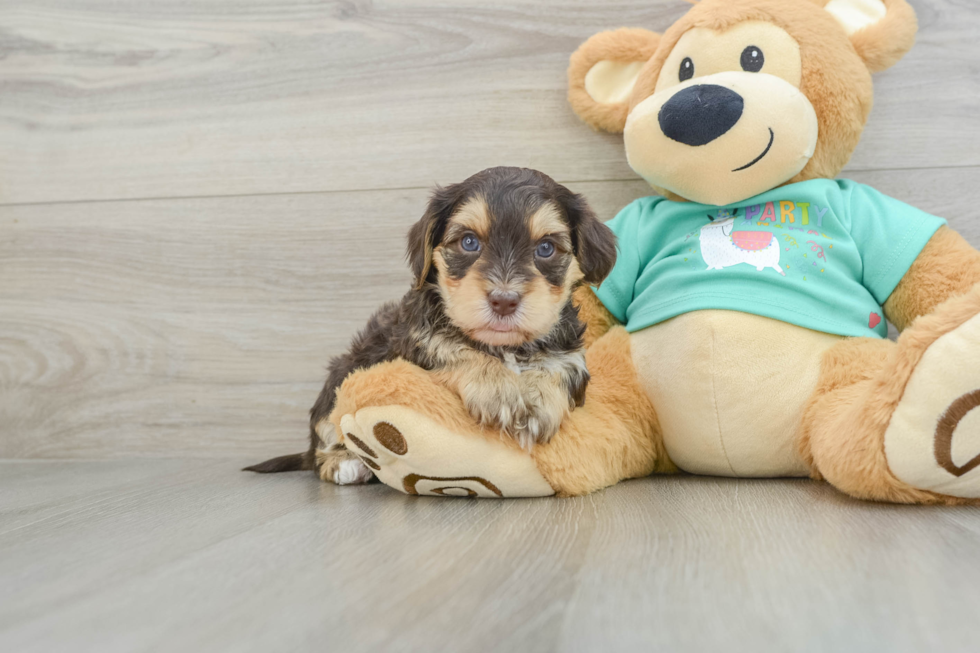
<point x="495" y="260"/>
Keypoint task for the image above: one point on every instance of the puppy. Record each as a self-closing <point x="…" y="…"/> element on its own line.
<point x="495" y="260"/>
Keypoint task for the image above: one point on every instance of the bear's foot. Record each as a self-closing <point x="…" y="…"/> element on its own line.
<point x="416" y="455"/>
<point x="933" y="439"/>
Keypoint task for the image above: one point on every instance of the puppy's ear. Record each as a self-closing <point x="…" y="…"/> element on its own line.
<point x="594" y="242"/>
<point x="427" y="232"/>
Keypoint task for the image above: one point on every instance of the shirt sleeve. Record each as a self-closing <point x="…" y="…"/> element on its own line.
<point x="616" y="291"/>
<point x="889" y="235"/>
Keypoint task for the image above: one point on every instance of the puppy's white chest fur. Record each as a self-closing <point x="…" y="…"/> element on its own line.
<point x="554" y="363"/>
<point x="510" y="362"/>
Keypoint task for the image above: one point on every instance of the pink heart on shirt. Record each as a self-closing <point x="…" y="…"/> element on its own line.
<point x="874" y="321"/>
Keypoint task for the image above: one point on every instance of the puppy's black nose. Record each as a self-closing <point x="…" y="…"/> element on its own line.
<point x="700" y="114"/>
<point x="503" y="303"/>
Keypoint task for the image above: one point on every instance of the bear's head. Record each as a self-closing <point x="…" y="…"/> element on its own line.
<point x="741" y="96"/>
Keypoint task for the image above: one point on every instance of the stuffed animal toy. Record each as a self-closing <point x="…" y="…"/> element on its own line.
<point x="743" y="329"/>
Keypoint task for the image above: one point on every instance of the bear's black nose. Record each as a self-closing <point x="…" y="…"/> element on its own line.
<point x="700" y="114"/>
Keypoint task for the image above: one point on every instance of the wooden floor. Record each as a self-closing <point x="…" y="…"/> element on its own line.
<point x="200" y="202"/>
<point x="192" y="555"/>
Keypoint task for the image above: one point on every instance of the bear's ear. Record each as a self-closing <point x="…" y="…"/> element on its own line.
<point x="882" y="31"/>
<point x="602" y="72"/>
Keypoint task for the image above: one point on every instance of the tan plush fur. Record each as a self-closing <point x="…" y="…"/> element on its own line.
<point x="862" y="381"/>
<point x="946" y="267"/>
<point x="597" y="318"/>
<point x="881" y="45"/>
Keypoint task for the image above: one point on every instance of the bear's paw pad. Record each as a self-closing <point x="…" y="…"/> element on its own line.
<point x="933" y="439"/>
<point x="415" y="455"/>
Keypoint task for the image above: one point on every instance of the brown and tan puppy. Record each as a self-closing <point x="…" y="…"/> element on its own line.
<point x="495" y="260"/>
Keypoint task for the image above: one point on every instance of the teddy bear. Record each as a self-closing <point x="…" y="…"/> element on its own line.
<point x="743" y="330"/>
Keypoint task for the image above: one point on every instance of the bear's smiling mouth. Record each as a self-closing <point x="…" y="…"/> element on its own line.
<point x="754" y="161"/>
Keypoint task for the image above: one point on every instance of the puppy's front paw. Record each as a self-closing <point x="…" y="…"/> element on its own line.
<point x="540" y="427"/>
<point x="530" y="411"/>
<point x="547" y="405"/>
<point x="497" y="405"/>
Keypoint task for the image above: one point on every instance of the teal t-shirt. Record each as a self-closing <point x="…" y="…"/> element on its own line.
<point x="821" y="254"/>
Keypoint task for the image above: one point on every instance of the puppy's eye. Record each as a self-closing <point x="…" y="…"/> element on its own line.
<point x="752" y="59"/>
<point x="687" y="70"/>
<point x="545" y="249"/>
<point x="470" y="243"/>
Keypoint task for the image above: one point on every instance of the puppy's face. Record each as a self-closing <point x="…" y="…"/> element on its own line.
<point x="505" y="275"/>
<point x="509" y="251"/>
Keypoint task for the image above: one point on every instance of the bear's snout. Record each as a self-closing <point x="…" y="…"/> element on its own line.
<point x="699" y="114"/>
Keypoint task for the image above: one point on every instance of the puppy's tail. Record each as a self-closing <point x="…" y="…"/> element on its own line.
<point x="294" y="462"/>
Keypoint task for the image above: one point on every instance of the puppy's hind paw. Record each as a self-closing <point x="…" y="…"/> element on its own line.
<point x="340" y="466"/>
<point x="352" y="472"/>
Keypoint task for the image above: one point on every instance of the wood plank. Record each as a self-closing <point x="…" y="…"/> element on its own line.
<point x="107" y="100"/>
<point x="203" y="326"/>
<point x="752" y="565"/>
<point x="98" y="538"/>
<point x="45" y="490"/>
<point x="212" y="559"/>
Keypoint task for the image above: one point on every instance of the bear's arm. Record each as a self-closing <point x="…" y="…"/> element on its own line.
<point x="593" y="313"/>
<point x="946" y="266"/>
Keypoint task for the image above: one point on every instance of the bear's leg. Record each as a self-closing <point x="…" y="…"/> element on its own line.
<point x="895" y="421"/>
<point x="418" y="438"/>
<point x="615" y="435"/>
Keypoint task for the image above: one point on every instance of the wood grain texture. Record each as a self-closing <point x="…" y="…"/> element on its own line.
<point x="204" y="557"/>
<point x="107" y="100"/>
<point x="203" y="326"/>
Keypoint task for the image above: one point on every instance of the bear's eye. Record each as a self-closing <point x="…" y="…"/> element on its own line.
<point x="752" y="59"/>
<point x="687" y="69"/>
